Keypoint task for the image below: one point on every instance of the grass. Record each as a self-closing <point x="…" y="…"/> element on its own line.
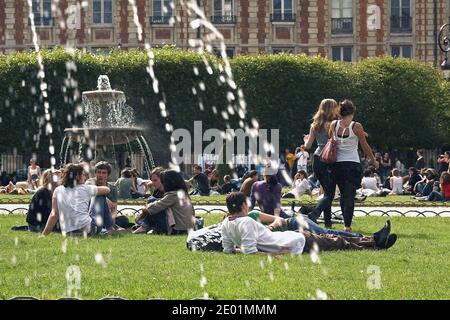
<point x="390" y="201"/>
<point x="142" y="267"/>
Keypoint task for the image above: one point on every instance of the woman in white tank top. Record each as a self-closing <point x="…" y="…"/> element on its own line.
<point x="347" y="170"/>
<point x="396" y="182"/>
<point x="34" y="174"/>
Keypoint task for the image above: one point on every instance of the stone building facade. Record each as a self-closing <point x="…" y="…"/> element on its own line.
<point x="339" y="29"/>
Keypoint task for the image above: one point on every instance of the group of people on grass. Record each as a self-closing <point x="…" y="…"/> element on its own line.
<point x="71" y="202"/>
<point x="74" y="204"/>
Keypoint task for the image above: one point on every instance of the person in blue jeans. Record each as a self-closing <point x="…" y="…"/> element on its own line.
<point x="156" y="223"/>
<point x="73" y="208"/>
<point x="296" y="224"/>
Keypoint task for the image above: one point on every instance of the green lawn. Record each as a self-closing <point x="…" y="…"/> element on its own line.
<point x="391" y="201"/>
<point x="142" y="266"/>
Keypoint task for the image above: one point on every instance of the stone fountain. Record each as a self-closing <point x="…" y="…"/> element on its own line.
<point x="108" y="127"/>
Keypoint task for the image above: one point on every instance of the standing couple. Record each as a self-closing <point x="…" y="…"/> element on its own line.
<point x="336" y="120"/>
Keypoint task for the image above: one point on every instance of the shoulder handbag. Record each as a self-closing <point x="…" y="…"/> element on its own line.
<point x="329" y="152"/>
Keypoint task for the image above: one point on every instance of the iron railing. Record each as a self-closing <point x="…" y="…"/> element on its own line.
<point x="385" y="212"/>
<point x="341" y="25"/>
<point x="282" y="17"/>
<point x="227" y="19"/>
<point x="160" y="19"/>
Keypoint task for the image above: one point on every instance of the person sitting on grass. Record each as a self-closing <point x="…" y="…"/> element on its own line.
<point x="176" y="202"/>
<point x="300" y="186"/>
<point x="240" y="232"/>
<point x="199" y="182"/>
<point x="246" y="187"/>
<point x="157" y="188"/>
<point x="411" y="179"/>
<point x="424" y="187"/>
<point x="140" y="185"/>
<point x="34" y="174"/>
<point x="41" y="202"/>
<point x="228" y="186"/>
<point x="154" y="223"/>
<point x="125" y="184"/>
<point x="444" y="195"/>
<point x="267" y="194"/>
<point x="72" y="207"/>
<point x="369" y="184"/>
<point x="213" y="178"/>
<point x="102" y="172"/>
<point x="396" y="183"/>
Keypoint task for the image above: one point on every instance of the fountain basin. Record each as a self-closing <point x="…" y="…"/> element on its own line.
<point x="104" y="136"/>
<point x="103" y="95"/>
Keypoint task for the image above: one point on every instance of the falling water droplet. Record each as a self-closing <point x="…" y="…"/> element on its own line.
<point x="321" y="295"/>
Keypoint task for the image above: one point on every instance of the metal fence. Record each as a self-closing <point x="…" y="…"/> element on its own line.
<point x="413" y="212"/>
<point x="11" y="163"/>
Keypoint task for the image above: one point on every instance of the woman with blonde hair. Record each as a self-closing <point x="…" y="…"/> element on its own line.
<point x="328" y="111"/>
<point x="41" y="202"/>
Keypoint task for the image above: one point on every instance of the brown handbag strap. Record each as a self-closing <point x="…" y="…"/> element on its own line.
<point x="332" y="130"/>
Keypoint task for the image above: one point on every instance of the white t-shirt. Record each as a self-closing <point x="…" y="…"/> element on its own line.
<point x="300" y="187"/>
<point x="370" y="183"/>
<point x="302" y="157"/>
<point x="397" y="185"/>
<point x="140" y="185"/>
<point x="251" y="236"/>
<point x="73" y="206"/>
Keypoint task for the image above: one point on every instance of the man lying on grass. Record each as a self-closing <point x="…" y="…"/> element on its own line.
<point x="242" y="233"/>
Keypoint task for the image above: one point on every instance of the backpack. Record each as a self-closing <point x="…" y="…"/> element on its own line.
<point x="206" y="239"/>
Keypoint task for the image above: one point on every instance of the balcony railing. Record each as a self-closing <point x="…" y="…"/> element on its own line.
<point x="341" y="25"/>
<point x="160" y="19"/>
<point x="401" y="24"/>
<point x="282" y="17"/>
<point x="42" y="21"/>
<point x="223" y="19"/>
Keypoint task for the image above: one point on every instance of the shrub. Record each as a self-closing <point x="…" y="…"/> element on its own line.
<point x="401" y="103"/>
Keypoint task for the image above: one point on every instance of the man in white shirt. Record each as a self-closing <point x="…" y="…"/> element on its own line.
<point x="241" y="231"/>
<point x="71" y="204"/>
<point x="250" y="236"/>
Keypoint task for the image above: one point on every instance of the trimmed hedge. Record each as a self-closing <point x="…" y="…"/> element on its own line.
<point x="401" y="103"/>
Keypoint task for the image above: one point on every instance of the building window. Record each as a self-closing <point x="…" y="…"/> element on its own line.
<point x="223" y="12"/>
<point x="401" y="51"/>
<point x="102" y="11"/>
<point x="162" y="12"/>
<point x="42" y="11"/>
<point x="283" y="11"/>
<point x="341" y="16"/>
<point x="401" y="20"/>
<point x="283" y="50"/>
<point x="342" y="54"/>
